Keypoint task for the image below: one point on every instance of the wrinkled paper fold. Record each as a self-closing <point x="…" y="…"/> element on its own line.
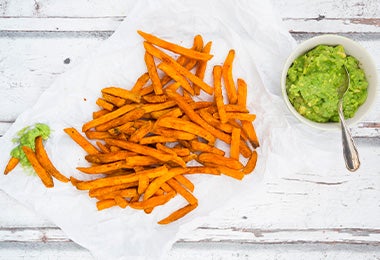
<point x="262" y="44"/>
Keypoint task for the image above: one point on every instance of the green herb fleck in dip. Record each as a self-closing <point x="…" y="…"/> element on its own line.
<point x="26" y="137"/>
<point x="314" y="78"/>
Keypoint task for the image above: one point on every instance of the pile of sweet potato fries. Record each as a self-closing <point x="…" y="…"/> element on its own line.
<point x="147" y="139"/>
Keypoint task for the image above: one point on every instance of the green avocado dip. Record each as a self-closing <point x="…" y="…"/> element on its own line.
<point x="26" y="137"/>
<point x="314" y="78"/>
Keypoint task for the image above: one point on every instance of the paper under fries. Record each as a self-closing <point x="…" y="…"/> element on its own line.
<point x="150" y="137"/>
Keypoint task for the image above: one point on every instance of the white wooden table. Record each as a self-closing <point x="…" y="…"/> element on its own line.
<point x="314" y="214"/>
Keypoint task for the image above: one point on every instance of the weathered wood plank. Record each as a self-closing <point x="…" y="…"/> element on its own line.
<point x="204" y="235"/>
<point x="105" y="24"/>
<point x="97" y="8"/>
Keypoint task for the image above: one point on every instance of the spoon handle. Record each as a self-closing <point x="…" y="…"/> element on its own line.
<point x="350" y="153"/>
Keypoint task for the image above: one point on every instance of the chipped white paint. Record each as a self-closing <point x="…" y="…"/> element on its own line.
<point x="318" y="214"/>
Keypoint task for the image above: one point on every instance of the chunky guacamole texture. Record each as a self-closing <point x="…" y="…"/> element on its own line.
<point x="314" y="78"/>
<point x="26" y="137"/>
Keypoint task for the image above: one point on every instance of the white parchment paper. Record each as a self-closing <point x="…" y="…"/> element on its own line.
<point x="261" y="43"/>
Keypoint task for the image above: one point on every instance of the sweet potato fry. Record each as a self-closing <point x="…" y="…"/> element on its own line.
<point x="79" y="139"/>
<point x="108" y="117"/>
<point x="153" y="75"/>
<point x="143" y="184"/>
<point x="157" y="139"/>
<point x="12" y="163"/>
<point x="104" y="168"/>
<point x="97" y="135"/>
<point x="178" y="214"/>
<point x="105" y="204"/>
<point x="129" y="116"/>
<point x="123" y="93"/>
<point x="45" y="177"/>
<point x="182" y="191"/>
<point x="174" y="47"/>
<point x="108" y="157"/>
<point x="235" y="143"/>
<point x="251" y="164"/>
<point x="220" y="160"/>
<point x="121" y="202"/>
<point x="201" y="69"/>
<point x="249" y="130"/>
<point x="228" y="78"/>
<point x="241" y="116"/>
<point x="104" y="104"/>
<point x="140" y="82"/>
<point x="218" y="96"/>
<point x="185" y="182"/>
<point x="99" y="113"/>
<point x="45" y="162"/>
<point x="116" y="101"/>
<point x="241" y="92"/>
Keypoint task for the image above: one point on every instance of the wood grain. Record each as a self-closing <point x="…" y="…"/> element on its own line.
<point x="317" y="214"/>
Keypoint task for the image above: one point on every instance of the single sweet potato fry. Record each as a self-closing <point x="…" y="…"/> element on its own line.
<point x="174" y="47"/>
<point x="182" y="191"/>
<point x="44" y="160"/>
<point x="45" y="177"/>
<point x="79" y="139"/>
<point x="123" y="93"/>
<point x="178" y="214"/>
<point x="12" y="163"/>
<point x="228" y="78"/>
<point x="153" y="75"/>
<point x="218" y="96"/>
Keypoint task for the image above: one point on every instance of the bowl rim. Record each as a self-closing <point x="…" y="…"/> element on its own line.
<point x="333" y="40"/>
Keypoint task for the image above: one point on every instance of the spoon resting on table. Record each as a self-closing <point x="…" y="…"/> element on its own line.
<point x="350" y="153"/>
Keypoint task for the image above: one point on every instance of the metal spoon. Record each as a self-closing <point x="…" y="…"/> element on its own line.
<point x="350" y="153"/>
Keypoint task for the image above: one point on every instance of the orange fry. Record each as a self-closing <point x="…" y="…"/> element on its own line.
<point x="123" y="93"/>
<point x="178" y="214"/>
<point x="45" y="177"/>
<point x="201" y="69"/>
<point x="79" y="139"/>
<point x="174" y="47"/>
<point x="152" y="71"/>
<point x="107" y="117"/>
<point x="235" y="143"/>
<point x="45" y="162"/>
<point x="251" y="164"/>
<point x="182" y="191"/>
<point x="228" y="79"/>
<point x="12" y="163"/>
<point x="218" y="96"/>
<point x="241" y="93"/>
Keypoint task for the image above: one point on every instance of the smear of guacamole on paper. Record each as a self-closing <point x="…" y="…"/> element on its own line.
<point x="26" y="137"/>
<point x="314" y="78"/>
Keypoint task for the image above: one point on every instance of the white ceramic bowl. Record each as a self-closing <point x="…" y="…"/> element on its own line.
<point x="352" y="48"/>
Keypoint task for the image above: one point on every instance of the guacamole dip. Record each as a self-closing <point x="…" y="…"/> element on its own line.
<point x="314" y="78"/>
<point x="26" y="137"/>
